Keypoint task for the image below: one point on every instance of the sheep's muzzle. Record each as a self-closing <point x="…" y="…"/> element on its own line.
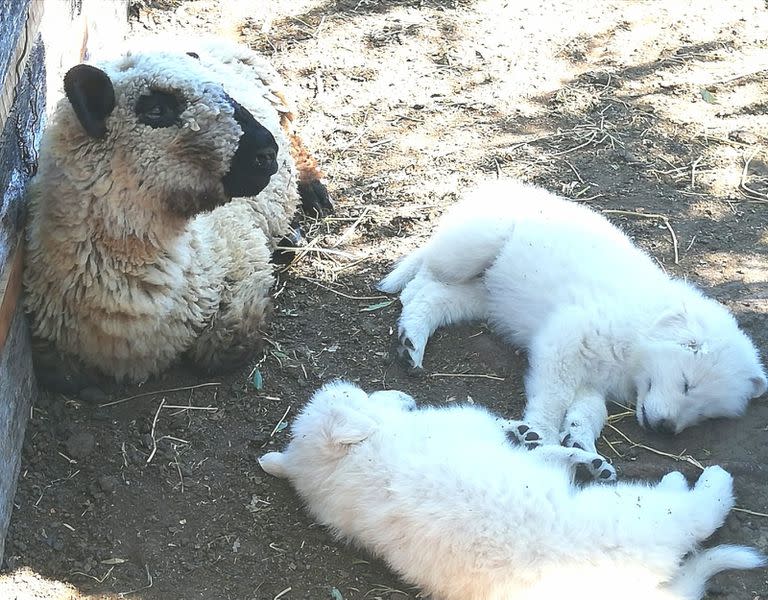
<point x="255" y="160"/>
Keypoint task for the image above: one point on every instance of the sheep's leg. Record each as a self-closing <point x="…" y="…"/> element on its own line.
<point x="429" y="304"/>
<point x="234" y="332"/>
<point x="66" y="374"/>
<point x="315" y="201"/>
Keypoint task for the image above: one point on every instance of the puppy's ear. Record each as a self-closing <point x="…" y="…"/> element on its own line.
<point x="349" y="427"/>
<point x="672" y="321"/>
<point x="759" y="385"/>
<point x="274" y="464"/>
<point x="92" y="96"/>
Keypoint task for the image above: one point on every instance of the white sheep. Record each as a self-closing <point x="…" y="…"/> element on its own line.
<point x="135" y="253"/>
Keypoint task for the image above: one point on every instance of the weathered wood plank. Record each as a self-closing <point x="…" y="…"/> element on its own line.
<point x="35" y="51"/>
<point x="20" y="137"/>
<point x="17" y="393"/>
<point x="10" y="289"/>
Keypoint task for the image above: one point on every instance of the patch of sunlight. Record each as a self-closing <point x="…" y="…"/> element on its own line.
<point x="25" y="584"/>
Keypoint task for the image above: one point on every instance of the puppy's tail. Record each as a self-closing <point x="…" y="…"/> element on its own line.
<point x="690" y="582"/>
<point x="404" y="271"/>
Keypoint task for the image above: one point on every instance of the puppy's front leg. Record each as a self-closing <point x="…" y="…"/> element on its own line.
<point x="598" y="467"/>
<point x="584" y="421"/>
<point x="557" y="371"/>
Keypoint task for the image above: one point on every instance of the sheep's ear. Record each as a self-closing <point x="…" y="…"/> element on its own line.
<point x="90" y="92"/>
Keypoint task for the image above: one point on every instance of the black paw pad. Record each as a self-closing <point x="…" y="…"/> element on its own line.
<point x="406" y="343"/>
<point x="532" y="436"/>
<point x="578" y="445"/>
<point x="605" y="474"/>
<point x="566" y="440"/>
<point x="596" y="463"/>
<point x="522" y="429"/>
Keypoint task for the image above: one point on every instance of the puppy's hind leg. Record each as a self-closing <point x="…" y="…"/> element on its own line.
<point x="674" y="482"/>
<point x="395" y="398"/>
<point x="429" y="304"/>
<point x="274" y="464"/>
<point x="712" y="500"/>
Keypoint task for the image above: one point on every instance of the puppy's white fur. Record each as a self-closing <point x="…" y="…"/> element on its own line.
<point x="598" y="317"/>
<point x="441" y="495"/>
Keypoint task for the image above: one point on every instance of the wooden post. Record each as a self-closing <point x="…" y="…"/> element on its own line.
<point x="39" y="41"/>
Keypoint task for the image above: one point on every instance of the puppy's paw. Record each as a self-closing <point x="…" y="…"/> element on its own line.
<point x="575" y="438"/>
<point x="600" y="470"/>
<point x="715" y="482"/>
<point x="521" y="434"/>
<point x="674" y="481"/>
<point x="409" y="352"/>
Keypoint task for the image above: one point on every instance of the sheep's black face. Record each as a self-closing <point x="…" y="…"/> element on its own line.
<point x="255" y="160"/>
<point x="182" y="144"/>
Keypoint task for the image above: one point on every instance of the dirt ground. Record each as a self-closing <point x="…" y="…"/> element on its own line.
<point x="657" y="110"/>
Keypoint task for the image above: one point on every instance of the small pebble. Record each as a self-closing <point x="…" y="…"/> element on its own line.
<point x="80" y="445"/>
<point x="107" y="483"/>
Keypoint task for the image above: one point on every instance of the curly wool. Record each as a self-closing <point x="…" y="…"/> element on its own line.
<point x="114" y="276"/>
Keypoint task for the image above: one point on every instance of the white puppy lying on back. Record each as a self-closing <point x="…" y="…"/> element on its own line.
<point x="453" y="507"/>
<point x="598" y="317"/>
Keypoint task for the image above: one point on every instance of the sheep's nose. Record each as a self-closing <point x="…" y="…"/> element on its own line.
<point x="665" y="426"/>
<point x="265" y="157"/>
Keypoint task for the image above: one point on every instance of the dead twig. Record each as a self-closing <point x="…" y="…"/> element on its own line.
<point x="150" y="581"/>
<point x="749" y="512"/>
<point x="753" y="195"/>
<point x="152" y="431"/>
<point x="158" y="392"/>
<point x="342" y="294"/>
<point x="678" y="457"/>
<point x="693" y="171"/>
<point x="664" y="219"/>
<point x="351" y="229"/>
<point x="468" y="376"/>
<point x="285" y="414"/>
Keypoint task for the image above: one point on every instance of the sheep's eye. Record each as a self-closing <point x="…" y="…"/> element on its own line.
<point x="686" y="387"/>
<point x="159" y="109"/>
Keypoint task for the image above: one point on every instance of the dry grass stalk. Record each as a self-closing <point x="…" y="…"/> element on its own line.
<point x="750" y="193"/>
<point x="678" y="457"/>
<point x="469" y="376"/>
<point x="158" y="392"/>
<point x="664" y="219"/>
<point x="342" y="294"/>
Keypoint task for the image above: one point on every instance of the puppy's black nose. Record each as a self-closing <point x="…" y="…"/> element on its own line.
<point x="665" y="426"/>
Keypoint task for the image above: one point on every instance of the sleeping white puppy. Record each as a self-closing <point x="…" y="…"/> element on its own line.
<point x="454" y="508"/>
<point x="597" y="315"/>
